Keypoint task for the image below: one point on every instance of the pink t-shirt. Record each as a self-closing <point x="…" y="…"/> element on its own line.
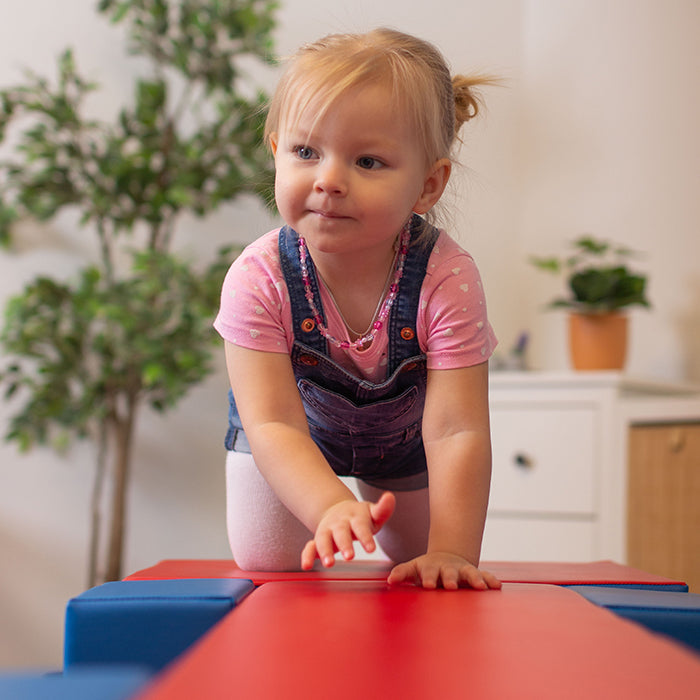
<point x="452" y="326"/>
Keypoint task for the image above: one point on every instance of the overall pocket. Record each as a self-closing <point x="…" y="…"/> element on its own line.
<point x="330" y="411"/>
<point x="378" y="440"/>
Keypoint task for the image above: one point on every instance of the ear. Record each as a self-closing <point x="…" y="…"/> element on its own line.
<point x="434" y="185"/>
<point x="273" y="140"/>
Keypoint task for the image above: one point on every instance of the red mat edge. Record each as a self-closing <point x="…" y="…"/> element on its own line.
<point x="509" y="572"/>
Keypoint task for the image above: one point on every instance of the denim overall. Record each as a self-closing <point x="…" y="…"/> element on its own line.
<point x="365" y="430"/>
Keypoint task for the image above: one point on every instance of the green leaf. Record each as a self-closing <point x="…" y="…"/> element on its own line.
<point x="189" y="141"/>
<point x="548" y="264"/>
<point x="119" y="9"/>
<point x="596" y="277"/>
<point x="152" y="373"/>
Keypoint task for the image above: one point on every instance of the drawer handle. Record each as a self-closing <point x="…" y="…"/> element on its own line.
<point x="522" y="460"/>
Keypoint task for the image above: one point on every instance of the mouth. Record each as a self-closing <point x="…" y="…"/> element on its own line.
<point x="323" y="214"/>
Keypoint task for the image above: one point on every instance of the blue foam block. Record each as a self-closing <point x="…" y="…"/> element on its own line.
<point x="113" y="683"/>
<point x="672" y="587"/>
<point x="676" y="615"/>
<point x="147" y="623"/>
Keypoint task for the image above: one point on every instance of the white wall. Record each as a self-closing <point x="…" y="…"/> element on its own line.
<point x="609" y="145"/>
<point x="595" y="132"/>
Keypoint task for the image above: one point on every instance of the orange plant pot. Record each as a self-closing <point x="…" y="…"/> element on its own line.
<point x="598" y="340"/>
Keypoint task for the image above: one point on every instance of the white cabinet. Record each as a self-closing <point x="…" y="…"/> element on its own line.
<point x="560" y="460"/>
<point x="544" y="456"/>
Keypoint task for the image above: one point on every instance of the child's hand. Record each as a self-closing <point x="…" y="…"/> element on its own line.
<point x="342" y="524"/>
<point x="429" y="570"/>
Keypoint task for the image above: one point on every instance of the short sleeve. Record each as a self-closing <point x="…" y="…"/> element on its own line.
<point x="453" y="329"/>
<point x="254" y="299"/>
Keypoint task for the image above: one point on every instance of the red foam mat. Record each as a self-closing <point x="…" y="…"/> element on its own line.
<point x="227" y="568"/>
<point x="341" y="640"/>
<point x="569" y="574"/>
<point x="565" y="574"/>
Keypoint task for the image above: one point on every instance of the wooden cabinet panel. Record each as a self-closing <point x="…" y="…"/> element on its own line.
<point x="663" y="532"/>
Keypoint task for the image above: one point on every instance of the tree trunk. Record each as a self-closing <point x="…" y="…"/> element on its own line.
<point x="96" y="506"/>
<point x="122" y="429"/>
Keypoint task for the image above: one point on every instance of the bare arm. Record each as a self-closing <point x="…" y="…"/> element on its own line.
<point x="275" y="424"/>
<point x="456" y="436"/>
<point x="457" y="440"/>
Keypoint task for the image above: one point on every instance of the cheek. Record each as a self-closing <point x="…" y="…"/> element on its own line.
<point x="285" y="192"/>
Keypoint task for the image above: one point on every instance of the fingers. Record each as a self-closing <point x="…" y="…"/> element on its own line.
<point x="404" y="573"/>
<point x="308" y="555"/>
<point x="382" y="510"/>
<point x="473" y="578"/>
<point x="478" y="579"/>
<point x="430" y="572"/>
<point x="430" y="575"/>
<point x="491" y="581"/>
<point x="325" y="545"/>
<point x="344" y="523"/>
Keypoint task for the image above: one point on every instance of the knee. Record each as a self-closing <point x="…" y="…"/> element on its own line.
<point x="265" y="558"/>
<point x="262" y="533"/>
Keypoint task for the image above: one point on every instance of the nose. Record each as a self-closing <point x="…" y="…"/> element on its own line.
<point x="331" y="178"/>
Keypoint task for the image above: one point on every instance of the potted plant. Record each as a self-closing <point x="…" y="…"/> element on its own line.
<point x="81" y="358"/>
<point x="601" y="287"/>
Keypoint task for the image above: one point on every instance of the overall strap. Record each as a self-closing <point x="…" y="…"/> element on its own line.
<point x="403" y="334"/>
<point x="403" y="340"/>
<point x="305" y="330"/>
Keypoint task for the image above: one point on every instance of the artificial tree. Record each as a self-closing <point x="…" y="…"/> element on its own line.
<point x="134" y="329"/>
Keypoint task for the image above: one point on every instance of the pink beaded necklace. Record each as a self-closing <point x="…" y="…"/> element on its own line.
<point x="378" y="322"/>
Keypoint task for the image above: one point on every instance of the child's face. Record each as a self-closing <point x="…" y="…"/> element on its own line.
<point x="349" y="182"/>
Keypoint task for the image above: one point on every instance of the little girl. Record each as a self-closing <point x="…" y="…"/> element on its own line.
<point x="356" y="336"/>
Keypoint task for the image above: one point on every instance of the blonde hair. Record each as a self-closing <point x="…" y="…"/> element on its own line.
<point x="421" y="85"/>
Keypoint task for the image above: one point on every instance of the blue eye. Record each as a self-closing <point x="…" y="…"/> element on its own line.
<point x="304" y="152"/>
<point x="368" y="163"/>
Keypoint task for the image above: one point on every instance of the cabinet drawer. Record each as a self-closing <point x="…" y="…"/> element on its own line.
<point x="543" y="459"/>
<point x="535" y="539"/>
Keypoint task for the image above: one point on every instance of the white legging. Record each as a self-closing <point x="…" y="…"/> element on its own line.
<point x="265" y="536"/>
